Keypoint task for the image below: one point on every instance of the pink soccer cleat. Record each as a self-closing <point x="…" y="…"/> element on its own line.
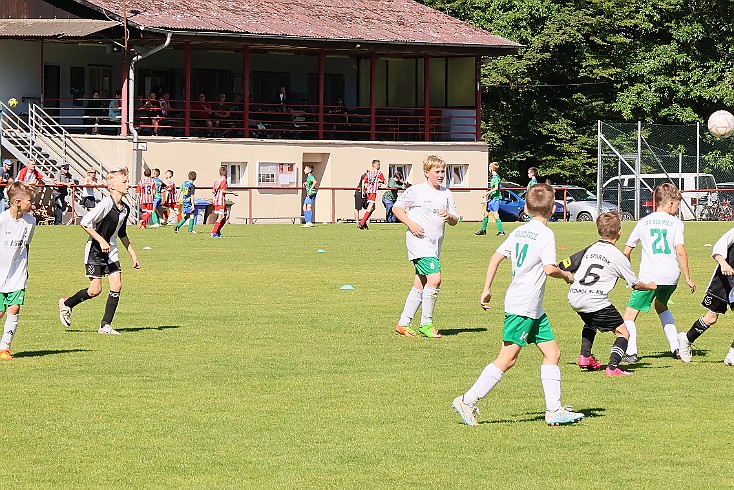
<point x="589" y="363"/>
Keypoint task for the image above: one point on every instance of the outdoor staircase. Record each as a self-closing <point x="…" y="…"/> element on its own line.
<point x="42" y="139"/>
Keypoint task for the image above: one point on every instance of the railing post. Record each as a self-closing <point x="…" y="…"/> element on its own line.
<point x="333" y="206"/>
<point x="249" y="206"/>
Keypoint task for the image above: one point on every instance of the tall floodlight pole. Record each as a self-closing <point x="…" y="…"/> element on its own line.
<point x="638" y="166"/>
<point x="599" y="169"/>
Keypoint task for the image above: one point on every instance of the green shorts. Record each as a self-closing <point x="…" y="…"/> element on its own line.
<point x="427" y="265"/>
<point x="9" y="299"/>
<point x="641" y="300"/>
<point x="522" y="330"/>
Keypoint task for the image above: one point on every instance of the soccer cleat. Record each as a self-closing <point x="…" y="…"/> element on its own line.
<point x="616" y="372"/>
<point x="729" y="359"/>
<point x="429" y="331"/>
<point x="155" y="225"/>
<point x="64" y="313"/>
<point x="563" y="416"/>
<point x="5" y="355"/>
<point x="192" y="232"/>
<point x="107" y="329"/>
<point x="175" y="229"/>
<point x="684" y="351"/>
<point x="307" y="225"/>
<point x="216" y="235"/>
<point x="405" y="330"/>
<point x="589" y="363"/>
<point x="630" y="358"/>
<point x="481" y="233"/>
<point x="500" y="233"/>
<point x="467" y="412"/>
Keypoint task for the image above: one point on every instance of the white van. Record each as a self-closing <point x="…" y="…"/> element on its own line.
<point x="686" y="181"/>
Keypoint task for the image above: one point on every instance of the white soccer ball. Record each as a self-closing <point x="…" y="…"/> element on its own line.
<point x="721" y="124"/>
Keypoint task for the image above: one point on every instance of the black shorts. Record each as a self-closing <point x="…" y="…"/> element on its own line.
<point x="360" y="201"/>
<point x="98" y="271"/>
<point x="605" y="320"/>
<point x="715" y="304"/>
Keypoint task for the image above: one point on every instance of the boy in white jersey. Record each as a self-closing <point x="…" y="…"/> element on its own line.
<point x="16" y="232"/>
<point x="425" y="209"/>
<point x="104" y="224"/>
<point x="597" y="269"/>
<point x="531" y="249"/>
<point x="719" y="295"/>
<point x="661" y="235"/>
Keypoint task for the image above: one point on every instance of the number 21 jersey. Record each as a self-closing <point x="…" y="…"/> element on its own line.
<point x="659" y="233"/>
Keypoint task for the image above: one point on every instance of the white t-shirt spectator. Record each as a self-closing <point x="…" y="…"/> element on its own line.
<point x="15" y="236"/>
<point x="659" y="233"/>
<point x="529" y="248"/>
<point x="422" y="202"/>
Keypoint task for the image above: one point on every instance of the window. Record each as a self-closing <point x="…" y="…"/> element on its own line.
<point x="277" y="174"/>
<point x="403" y="168"/>
<point x="100" y="78"/>
<point x="235" y="172"/>
<point x="455" y="175"/>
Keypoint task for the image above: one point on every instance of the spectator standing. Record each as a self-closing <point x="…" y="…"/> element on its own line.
<point x="151" y="113"/>
<point x="281" y="100"/>
<point x="94" y="112"/>
<point x="201" y="110"/>
<point x="30" y="175"/>
<point x="5" y="180"/>
<point x="114" y="110"/>
<point x="62" y="179"/>
<point x="391" y="195"/>
<point x="90" y="181"/>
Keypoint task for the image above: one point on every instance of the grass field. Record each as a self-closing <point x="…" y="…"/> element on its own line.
<point x="242" y="364"/>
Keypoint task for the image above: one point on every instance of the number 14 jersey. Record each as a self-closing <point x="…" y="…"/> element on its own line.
<point x="659" y="233"/>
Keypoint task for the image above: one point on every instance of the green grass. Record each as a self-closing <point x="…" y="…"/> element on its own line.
<point x="242" y="364"/>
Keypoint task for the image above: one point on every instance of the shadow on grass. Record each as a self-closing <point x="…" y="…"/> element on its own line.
<point x="535" y="417"/>
<point x="41" y="353"/>
<point x="142" y="329"/>
<point x="457" y="331"/>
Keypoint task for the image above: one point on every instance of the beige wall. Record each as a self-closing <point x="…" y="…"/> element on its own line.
<point x="338" y="164"/>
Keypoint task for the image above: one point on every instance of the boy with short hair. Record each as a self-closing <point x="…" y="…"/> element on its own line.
<point x="144" y="192"/>
<point x="157" y="196"/>
<point x="719" y="295"/>
<point x="104" y="224"/>
<point x="310" y="185"/>
<point x="533" y="176"/>
<point x="186" y="196"/>
<point x="370" y="184"/>
<point x="220" y="202"/>
<point x="425" y="208"/>
<point x="531" y="249"/>
<point x="170" y="204"/>
<point x="17" y="225"/>
<point x="600" y="265"/>
<point x="661" y="234"/>
<point x="492" y="199"/>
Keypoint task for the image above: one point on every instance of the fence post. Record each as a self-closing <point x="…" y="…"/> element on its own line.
<point x="599" y="169"/>
<point x="249" y="197"/>
<point x="333" y="206"/>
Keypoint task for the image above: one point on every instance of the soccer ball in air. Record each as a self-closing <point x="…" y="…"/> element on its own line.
<point x="721" y="124"/>
<point x="13" y="102"/>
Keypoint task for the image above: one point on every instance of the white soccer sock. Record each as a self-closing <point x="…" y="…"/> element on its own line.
<point x="550" y="376"/>
<point x="430" y="295"/>
<point x="491" y="375"/>
<point x="412" y="302"/>
<point x="671" y="332"/>
<point x="632" y="344"/>
<point x="11" y="324"/>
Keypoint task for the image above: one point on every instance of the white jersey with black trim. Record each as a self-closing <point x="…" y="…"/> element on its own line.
<point x="529" y="248"/>
<point x="15" y="236"/>
<point x="110" y="222"/>
<point x="659" y="233"/>
<point x="602" y="264"/>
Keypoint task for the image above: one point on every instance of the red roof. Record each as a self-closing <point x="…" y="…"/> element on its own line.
<point x="391" y="21"/>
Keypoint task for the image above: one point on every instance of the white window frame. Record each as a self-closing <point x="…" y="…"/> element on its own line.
<point x="454" y="170"/>
<point x="235" y="172"/>
<point x="278" y="174"/>
<point x="404" y="168"/>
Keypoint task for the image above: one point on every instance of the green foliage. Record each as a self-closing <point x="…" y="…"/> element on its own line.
<point x="661" y="61"/>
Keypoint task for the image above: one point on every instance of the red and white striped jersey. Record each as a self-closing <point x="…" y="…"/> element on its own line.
<point x="373" y="179"/>
<point x="145" y="189"/>
<point x="220" y="186"/>
<point x="171" y="201"/>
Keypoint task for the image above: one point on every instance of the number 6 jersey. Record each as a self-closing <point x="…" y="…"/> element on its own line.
<point x="595" y="272"/>
<point x="529" y="248"/>
<point x="659" y="233"/>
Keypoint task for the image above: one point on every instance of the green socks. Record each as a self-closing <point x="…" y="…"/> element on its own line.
<point x="499" y="225"/>
<point x="484" y="223"/>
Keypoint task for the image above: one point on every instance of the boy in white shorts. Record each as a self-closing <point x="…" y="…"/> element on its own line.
<point x="661" y="235"/>
<point x="719" y="296"/>
<point x="596" y="270"/>
<point x="531" y="249"/>
<point x="425" y="208"/>
<point x="16" y="229"/>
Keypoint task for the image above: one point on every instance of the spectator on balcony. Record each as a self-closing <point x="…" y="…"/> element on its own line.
<point x="114" y="110"/>
<point x="201" y="110"/>
<point x="338" y="118"/>
<point x="30" y="175"/>
<point x="62" y="179"/>
<point x="150" y="113"/>
<point x="94" y="112"/>
<point x="281" y="100"/>
<point x="5" y="180"/>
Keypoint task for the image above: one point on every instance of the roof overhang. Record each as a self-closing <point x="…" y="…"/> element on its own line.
<point x="52" y="28"/>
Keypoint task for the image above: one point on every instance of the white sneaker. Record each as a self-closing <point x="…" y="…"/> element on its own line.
<point x="563" y="416"/>
<point x="684" y="348"/>
<point x="729" y="359"/>
<point x="107" y="330"/>
<point x="64" y="313"/>
<point x="307" y="225"/>
<point x="156" y="225"/>
<point x="467" y="412"/>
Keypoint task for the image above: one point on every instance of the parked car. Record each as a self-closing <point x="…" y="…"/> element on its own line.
<point x="580" y="204"/>
<point x="624" y="198"/>
<point x="512" y="207"/>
